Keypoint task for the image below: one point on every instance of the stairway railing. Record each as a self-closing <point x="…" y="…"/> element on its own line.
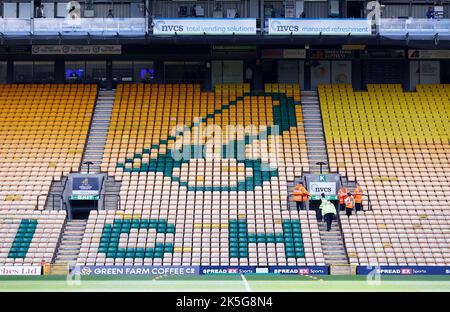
<point x="52" y="195"/>
<point x="343" y="237"/>
<point x="58" y="244"/>
<point x="103" y="197"/>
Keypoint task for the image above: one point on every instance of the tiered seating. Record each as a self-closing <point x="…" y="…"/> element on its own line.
<point x="29" y="237"/>
<point x="192" y="237"/>
<point x="398" y="239"/>
<point x="225" y="208"/>
<point x="43" y="130"/>
<point x="396" y="144"/>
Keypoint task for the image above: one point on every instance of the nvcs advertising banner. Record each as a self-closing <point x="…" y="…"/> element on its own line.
<point x="200" y="26"/>
<point x="314" y="27"/>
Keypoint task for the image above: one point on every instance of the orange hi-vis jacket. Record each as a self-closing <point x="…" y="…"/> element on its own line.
<point x="342" y="194"/>
<point x="349" y="202"/>
<point x="358" y="195"/>
<point x="300" y="193"/>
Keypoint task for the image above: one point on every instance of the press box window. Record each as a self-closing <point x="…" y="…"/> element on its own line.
<point x="23" y="72"/>
<point x="122" y="71"/>
<point x="3" y="68"/>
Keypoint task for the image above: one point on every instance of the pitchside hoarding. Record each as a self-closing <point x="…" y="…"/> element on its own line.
<point x="300" y="270"/>
<point x="204" y="26"/>
<point x="208" y="270"/>
<point x="13" y="270"/>
<point x="314" y="27"/>
<point x="403" y="270"/>
<point x="196" y="270"/>
<point x="282" y="270"/>
<point x="136" y="270"/>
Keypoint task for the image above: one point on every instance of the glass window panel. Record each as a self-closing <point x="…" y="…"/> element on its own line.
<point x="233" y="71"/>
<point x="96" y="71"/>
<point x="216" y="73"/>
<point x="320" y="73"/>
<point x="144" y="71"/>
<point x="75" y="71"/>
<point x="341" y="72"/>
<point x="184" y="72"/>
<point x="122" y="71"/>
<point x="291" y="71"/>
<point x="3" y="69"/>
<point x="23" y="72"/>
<point x="44" y="72"/>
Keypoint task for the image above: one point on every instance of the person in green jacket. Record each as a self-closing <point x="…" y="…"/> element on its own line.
<point x="328" y="211"/>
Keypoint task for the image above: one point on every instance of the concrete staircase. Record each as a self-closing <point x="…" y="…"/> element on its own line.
<point x="98" y="131"/>
<point x="315" y="137"/>
<point x="54" y="197"/>
<point x="70" y="244"/>
<point x="332" y="244"/>
<point x="112" y="191"/>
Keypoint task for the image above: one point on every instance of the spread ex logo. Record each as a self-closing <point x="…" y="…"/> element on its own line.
<point x="406" y="271"/>
<point x="303" y="271"/>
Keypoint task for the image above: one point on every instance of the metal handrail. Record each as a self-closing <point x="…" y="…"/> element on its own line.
<point x="53" y="200"/>
<point x="102" y="197"/>
<point x="58" y="244"/>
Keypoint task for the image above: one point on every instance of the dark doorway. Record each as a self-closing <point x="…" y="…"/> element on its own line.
<point x="355" y="9"/>
<point x="445" y="71"/>
<point x="269" y="71"/>
<point x="184" y="72"/>
<point x="81" y="208"/>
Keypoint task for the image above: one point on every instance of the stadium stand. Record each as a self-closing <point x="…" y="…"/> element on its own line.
<point x="207" y="211"/>
<point x="29" y="237"/>
<point x="396" y="144"/>
<point x="43" y="129"/>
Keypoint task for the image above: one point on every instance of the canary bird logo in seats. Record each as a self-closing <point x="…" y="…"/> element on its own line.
<point x="238" y="146"/>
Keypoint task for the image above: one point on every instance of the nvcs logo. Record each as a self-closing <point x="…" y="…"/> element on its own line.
<point x="161" y="26"/>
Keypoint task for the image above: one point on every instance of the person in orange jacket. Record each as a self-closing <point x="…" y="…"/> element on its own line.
<point x="342" y="194"/>
<point x="300" y="195"/>
<point x="358" y="195"/>
<point x="349" y="204"/>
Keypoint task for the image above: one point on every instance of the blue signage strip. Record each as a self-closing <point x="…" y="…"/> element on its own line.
<point x="300" y="270"/>
<point x="135" y="270"/>
<point x="403" y="270"/>
<point x="279" y="270"/>
<point x="206" y="270"/>
<point x="285" y="270"/>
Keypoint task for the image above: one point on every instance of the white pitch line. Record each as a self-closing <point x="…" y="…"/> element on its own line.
<point x="247" y="286"/>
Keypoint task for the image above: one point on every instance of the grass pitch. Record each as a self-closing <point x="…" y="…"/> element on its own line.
<point x="226" y="283"/>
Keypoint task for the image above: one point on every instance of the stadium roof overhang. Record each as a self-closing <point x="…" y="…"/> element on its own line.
<point x="433" y="42"/>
